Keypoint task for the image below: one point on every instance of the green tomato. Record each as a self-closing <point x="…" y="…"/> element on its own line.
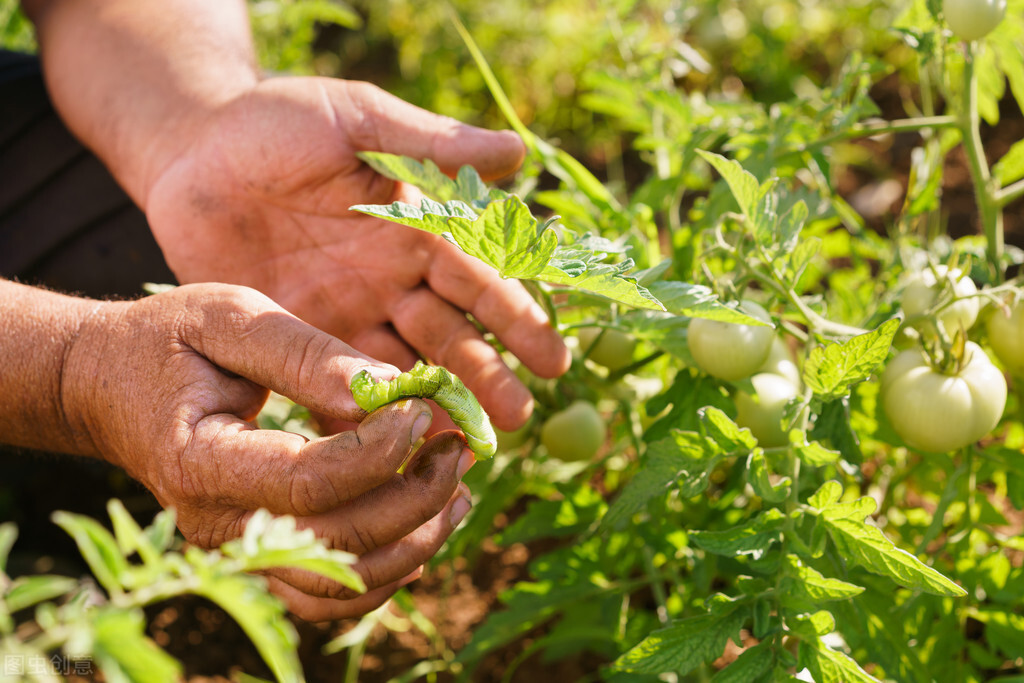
<point x="1006" y="336"/>
<point x="780" y="362"/>
<point x="613" y="349"/>
<point x="938" y="412"/>
<point x="973" y="19"/>
<point x="923" y="289"/>
<point x="575" y="433"/>
<point x="762" y="412"/>
<point x="730" y="351"/>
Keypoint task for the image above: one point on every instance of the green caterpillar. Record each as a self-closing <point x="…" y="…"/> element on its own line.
<point x="439" y="385"/>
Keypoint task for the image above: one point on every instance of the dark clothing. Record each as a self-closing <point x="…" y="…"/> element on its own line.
<point x="64" y="222"/>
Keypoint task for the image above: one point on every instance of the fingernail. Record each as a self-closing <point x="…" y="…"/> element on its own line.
<point x="459" y="510"/>
<point x="465" y="462"/>
<point x="420" y="426"/>
<point x="381" y="373"/>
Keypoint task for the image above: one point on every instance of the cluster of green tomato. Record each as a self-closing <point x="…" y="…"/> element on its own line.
<point x="936" y="401"/>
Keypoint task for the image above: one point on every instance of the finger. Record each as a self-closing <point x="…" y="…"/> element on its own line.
<point x="229" y="461"/>
<point x="245" y="332"/>
<point x="383" y="343"/>
<point x="443" y="334"/>
<point x="315" y="609"/>
<point x="502" y="306"/>
<point x="393" y="125"/>
<point x="385" y="565"/>
<point x="395" y="509"/>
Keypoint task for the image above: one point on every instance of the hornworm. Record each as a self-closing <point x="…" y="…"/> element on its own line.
<point x="439" y="385"/>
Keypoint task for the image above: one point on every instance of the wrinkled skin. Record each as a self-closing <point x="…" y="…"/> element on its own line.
<point x="261" y="199"/>
<point x="167" y="386"/>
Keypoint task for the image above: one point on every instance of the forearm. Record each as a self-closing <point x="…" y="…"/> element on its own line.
<point x="135" y="79"/>
<point x="39" y="328"/>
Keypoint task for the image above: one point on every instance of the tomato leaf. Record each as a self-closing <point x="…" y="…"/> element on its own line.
<point x="683" y="646"/>
<point x="829" y="666"/>
<point x="467" y="186"/>
<point x="758" y="476"/>
<point x="729" y="436"/>
<point x="752" y="538"/>
<point x="833" y="426"/>
<point x="744" y="186"/>
<point x="8" y="534"/>
<point x="751" y="665"/>
<point x="830" y="370"/>
<point x="828" y="494"/>
<point x="804" y="586"/>
<point x="507" y="237"/>
<point x="1011" y="166"/>
<point x="26" y="591"/>
<point x="261" y="616"/>
<point x="123" y="651"/>
<point x="97" y="546"/>
<point x="867" y="546"/>
<point x="811" y="626"/>
<point x="269" y="542"/>
<point x="698" y="301"/>
<point x="684" y="457"/>
<point x="686" y="396"/>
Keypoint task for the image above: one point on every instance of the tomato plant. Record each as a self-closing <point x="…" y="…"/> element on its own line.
<point x="973" y="19"/>
<point x="943" y="411"/>
<point x="731" y="351"/>
<point x="878" y="537"/>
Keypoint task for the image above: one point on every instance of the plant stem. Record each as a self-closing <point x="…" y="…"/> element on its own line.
<point x="969" y="123"/>
<point x="873" y="128"/>
<point x="814" y="321"/>
<point x="655" y="582"/>
<point x="1010" y="193"/>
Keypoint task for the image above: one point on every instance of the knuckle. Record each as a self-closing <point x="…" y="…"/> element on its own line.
<point x="311" y="493"/>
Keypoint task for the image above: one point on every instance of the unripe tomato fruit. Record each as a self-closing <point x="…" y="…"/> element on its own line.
<point x="731" y="351"/>
<point x="923" y="290"/>
<point x="937" y="412"/>
<point x="973" y="19"/>
<point x="575" y="433"/>
<point x="1006" y="336"/>
<point x="613" y="349"/>
<point x="780" y="362"/>
<point x="762" y="413"/>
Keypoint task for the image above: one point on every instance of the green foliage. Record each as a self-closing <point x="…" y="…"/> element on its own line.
<point x="16" y="33"/>
<point x="108" y="627"/>
<point x="788" y="544"/>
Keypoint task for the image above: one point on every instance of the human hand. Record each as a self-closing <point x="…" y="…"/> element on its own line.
<point x="261" y="198"/>
<point x="166" y="387"/>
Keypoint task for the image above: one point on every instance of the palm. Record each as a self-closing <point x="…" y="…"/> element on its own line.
<point x="262" y="197"/>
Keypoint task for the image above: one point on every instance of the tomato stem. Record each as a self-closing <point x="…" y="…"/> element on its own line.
<point x="985" y="190"/>
<point x="873" y="128"/>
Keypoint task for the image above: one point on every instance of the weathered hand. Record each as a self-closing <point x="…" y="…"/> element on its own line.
<point x="261" y="198"/>
<point x="166" y="387"/>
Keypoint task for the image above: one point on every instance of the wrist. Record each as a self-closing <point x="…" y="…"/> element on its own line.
<point x="36" y="410"/>
<point x="136" y="80"/>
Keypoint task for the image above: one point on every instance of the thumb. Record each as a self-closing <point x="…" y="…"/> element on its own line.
<point x="394" y="126"/>
<point x="242" y="331"/>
